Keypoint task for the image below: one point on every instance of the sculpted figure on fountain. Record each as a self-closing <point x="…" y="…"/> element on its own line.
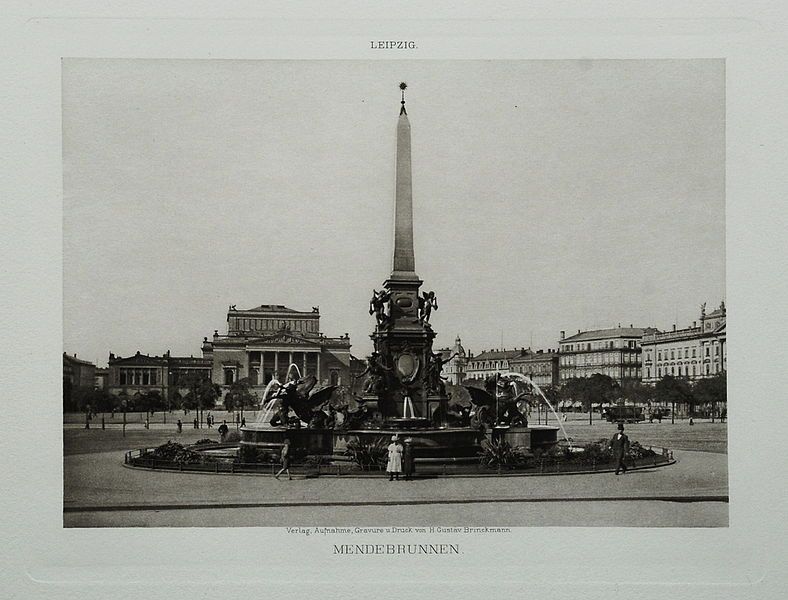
<point x="427" y="302"/>
<point x="379" y="306"/>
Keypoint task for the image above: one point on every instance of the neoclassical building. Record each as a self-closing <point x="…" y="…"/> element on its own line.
<point x="262" y="342"/>
<point x="615" y="352"/>
<point x="694" y="352"/>
<point x="143" y="373"/>
<point x="541" y="366"/>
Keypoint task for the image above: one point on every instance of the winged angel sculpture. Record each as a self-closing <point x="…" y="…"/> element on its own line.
<point x="297" y="396"/>
<point x="497" y="404"/>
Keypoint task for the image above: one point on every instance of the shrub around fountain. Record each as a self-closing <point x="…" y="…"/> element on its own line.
<point x="368" y="456"/>
<point x="251" y="454"/>
<point x="176" y="453"/>
<point x="500" y="454"/>
<point x="594" y="453"/>
<point x="205" y="441"/>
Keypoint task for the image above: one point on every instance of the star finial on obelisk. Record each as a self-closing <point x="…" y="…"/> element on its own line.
<point x="403" y="86"/>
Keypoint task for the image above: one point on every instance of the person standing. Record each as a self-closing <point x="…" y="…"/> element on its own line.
<point x="408" y="466"/>
<point x="394" y="466"/>
<point x="620" y="446"/>
<point x="285" y="454"/>
<point x="223" y="429"/>
<point x="180" y="426"/>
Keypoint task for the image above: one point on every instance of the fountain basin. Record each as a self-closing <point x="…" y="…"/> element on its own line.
<point x="530" y="438"/>
<point x="435" y="442"/>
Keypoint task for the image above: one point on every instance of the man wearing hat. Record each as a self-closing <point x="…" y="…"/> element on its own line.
<point x="394" y="466"/>
<point x="620" y="446"/>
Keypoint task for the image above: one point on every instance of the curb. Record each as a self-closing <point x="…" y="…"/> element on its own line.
<point x="214" y="505"/>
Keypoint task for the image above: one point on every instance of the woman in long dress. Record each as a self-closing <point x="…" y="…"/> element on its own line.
<point x="394" y="466"/>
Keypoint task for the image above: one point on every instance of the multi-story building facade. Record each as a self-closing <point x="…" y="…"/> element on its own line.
<point x="490" y="362"/>
<point x="454" y="370"/>
<point x="693" y="352"/>
<point x="79" y="373"/>
<point x="261" y="343"/>
<point x="540" y="366"/>
<point x="615" y="352"/>
<point x="142" y="373"/>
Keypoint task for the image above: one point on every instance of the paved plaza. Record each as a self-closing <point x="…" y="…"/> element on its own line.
<point x="100" y="491"/>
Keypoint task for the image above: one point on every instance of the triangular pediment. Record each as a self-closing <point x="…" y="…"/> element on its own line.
<point x="282" y="338"/>
<point x="140" y="359"/>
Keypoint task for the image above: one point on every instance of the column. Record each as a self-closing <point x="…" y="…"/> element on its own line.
<point x="317" y="368"/>
<point x="289" y="359"/>
<point x="304" y="370"/>
<point x="276" y="364"/>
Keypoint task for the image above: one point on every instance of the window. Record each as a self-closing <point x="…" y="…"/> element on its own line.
<point x="694" y="352"/>
<point x="672" y="355"/>
<point x="707" y="353"/>
<point x="228" y="376"/>
<point x="334" y="377"/>
<point x="659" y="355"/>
<point x="717" y="350"/>
<point x="123" y="377"/>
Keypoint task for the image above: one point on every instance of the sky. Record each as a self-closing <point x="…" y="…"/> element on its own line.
<point x="548" y="195"/>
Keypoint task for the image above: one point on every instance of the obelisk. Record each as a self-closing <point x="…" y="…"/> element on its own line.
<point x="404" y="265"/>
<point x="403" y="338"/>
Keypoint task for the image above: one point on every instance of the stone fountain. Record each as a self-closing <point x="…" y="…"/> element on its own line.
<point x="403" y="392"/>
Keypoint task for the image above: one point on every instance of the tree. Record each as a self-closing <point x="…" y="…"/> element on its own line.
<point x="675" y="390"/>
<point x="712" y="391"/>
<point x="637" y="392"/>
<point x="596" y="389"/>
<point x="240" y="395"/>
<point x="100" y="400"/>
<point x="151" y="401"/>
<point x="202" y="393"/>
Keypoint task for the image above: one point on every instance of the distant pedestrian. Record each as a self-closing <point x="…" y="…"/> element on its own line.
<point x="237" y="418"/>
<point x="195" y="422"/>
<point x="223" y="429"/>
<point x="659" y="417"/>
<point x="394" y="466"/>
<point x="243" y="421"/>
<point x="180" y="426"/>
<point x="285" y="454"/>
<point x="408" y="460"/>
<point x="692" y="421"/>
<point x="620" y="446"/>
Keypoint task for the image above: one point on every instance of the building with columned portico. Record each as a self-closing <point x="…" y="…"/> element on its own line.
<point x="262" y="342"/>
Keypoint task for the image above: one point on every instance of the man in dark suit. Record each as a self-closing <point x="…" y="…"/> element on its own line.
<point x="620" y="446"/>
